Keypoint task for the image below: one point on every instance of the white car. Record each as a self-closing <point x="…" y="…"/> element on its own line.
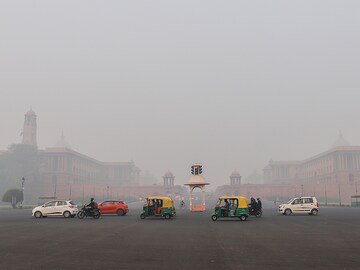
<point x="300" y="205"/>
<point x="63" y="208"/>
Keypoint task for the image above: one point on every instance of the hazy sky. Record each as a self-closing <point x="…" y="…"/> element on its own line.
<point x="229" y="84"/>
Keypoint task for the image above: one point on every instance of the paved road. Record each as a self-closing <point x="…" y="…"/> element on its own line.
<point x="330" y="240"/>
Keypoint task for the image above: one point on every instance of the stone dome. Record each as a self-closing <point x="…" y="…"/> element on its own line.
<point x="30" y="112"/>
<point x="197" y="180"/>
<point x="340" y="141"/>
<point x="168" y="174"/>
<point x="235" y="174"/>
<point x="62" y="143"/>
<point x="268" y="167"/>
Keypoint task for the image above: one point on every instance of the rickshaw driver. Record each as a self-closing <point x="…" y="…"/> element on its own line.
<point x="151" y="207"/>
<point x="158" y="206"/>
<point x="233" y="207"/>
<point x="225" y="208"/>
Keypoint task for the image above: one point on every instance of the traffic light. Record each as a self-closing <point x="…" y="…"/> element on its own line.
<point x="196" y="169"/>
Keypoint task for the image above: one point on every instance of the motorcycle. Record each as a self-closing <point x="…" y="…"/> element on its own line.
<point x="86" y="211"/>
<point x="255" y="212"/>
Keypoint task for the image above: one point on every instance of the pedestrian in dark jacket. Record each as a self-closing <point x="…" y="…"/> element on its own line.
<point x="259" y="203"/>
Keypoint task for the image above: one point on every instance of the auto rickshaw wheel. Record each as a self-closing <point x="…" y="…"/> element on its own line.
<point x="214" y="217"/>
<point x="142" y="216"/>
<point x="242" y="217"/>
<point x="167" y="216"/>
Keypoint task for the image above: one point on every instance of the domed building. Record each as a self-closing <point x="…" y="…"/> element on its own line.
<point x="62" y="143"/>
<point x="322" y="174"/>
<point x="340" y="141"/>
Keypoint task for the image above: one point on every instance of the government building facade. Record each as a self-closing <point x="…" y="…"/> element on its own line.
<point x="67" y="174"/>
<point x="332" y="176"/>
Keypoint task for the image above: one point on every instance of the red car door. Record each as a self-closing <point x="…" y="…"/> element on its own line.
<point x="104" y="207"/>
<point x="112" y="207"/>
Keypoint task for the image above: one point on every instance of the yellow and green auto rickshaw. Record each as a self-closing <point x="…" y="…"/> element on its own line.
<point x="156" y="206"/>
<point x="231" y="207"/>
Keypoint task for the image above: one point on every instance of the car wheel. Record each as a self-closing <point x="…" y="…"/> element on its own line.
<point x="242" y="218"/>
<point x="142" y="216"/>
<point x="120" y="212"/>
<point x="214" y="217"/>
<point x="67" y="214"/>
<point x="287" y="212"/>
<point x="37" y="214"/>
<point x="314" y="212"/>
<point x="167" y="216"/>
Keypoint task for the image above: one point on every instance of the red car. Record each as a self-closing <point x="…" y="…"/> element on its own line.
<point x="113" y="207"/>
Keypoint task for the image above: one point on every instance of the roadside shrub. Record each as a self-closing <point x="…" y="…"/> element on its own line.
<point x="13" y="196"/>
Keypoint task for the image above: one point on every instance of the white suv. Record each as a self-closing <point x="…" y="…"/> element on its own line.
<point x="56" y="208"/>
<point x="300" y="205"/>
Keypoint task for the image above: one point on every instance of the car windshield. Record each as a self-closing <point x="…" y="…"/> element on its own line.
<point x="72" y="203"/>
<point x="290" y="201"/>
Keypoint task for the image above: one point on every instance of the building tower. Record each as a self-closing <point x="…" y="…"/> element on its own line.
<point x="168" y="179"/>
<point x="235" y="179"/>
<point x="29" y="131"/>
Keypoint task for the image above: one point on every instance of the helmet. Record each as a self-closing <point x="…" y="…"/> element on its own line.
<point x="91" y="199"/>
<point x="258" y="198"/>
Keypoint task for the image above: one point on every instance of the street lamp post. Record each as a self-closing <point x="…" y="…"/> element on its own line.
<point x="70" y="191"/>
<point x="325" y="196"/>
<point x="356" y="193"/>
<point x="55" y="184"/>
<point x="302" y="190"/>
<point x="22" y="188"/>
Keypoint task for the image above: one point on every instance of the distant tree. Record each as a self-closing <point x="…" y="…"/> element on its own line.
<point x="13" y="196"/>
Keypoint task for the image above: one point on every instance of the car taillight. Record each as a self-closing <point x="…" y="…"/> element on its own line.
<point x="317" y="204"/>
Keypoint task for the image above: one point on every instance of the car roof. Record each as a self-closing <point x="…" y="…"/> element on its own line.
<point x="56" y="201"/>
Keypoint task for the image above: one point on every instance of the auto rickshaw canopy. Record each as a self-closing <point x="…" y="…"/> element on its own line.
<point x="242" y="201"/>
<point x="166" y="201"/>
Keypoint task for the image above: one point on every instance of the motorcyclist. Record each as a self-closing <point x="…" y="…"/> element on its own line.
<point x="92" y="205"/>
<point x="253" y="205"/>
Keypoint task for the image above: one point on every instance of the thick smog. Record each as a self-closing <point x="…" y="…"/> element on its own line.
<point x="182" y="135"/>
